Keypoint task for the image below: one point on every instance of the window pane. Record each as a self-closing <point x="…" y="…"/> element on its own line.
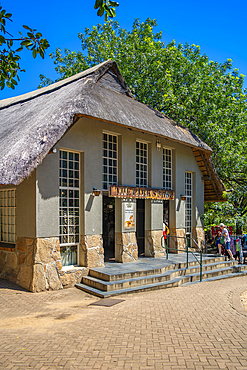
<point x="167" y="164"/>
<point x="69" y="205"/>
<point x="109" y="165"/>
<point x="141" y="164"/>
<point x="7" y="216"/>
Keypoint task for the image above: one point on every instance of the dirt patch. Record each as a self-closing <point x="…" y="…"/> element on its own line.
<point x="243" y="299"/>
<point x="38" y="322"/>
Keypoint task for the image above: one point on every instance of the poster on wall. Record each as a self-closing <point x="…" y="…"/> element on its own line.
<point x="129" y="215"/>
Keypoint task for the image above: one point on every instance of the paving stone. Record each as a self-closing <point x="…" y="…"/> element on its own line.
<point x="197" y="327"/>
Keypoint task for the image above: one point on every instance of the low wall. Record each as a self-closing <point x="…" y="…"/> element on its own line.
<point x="35" y="264"/>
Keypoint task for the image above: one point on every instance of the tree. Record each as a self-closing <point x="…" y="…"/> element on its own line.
<point x="203" y="95"/>
<point x="106" y="7"/>
<point x="9" y="56"/>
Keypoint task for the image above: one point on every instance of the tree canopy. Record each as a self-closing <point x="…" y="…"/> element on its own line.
<point x="106" y="7"/>
<point x="206" y="96"/>
<point x="10" y="55"/>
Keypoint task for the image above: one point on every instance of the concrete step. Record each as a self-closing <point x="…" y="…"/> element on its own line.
<point x="219" y="277"/>
<point x="100" y="273"/>
<point x="128" y="282"/>
<point x="105" y="282"/>
<point x="180" y="280"/>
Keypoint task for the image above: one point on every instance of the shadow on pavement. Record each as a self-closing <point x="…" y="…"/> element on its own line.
<point x="5" y="284"/>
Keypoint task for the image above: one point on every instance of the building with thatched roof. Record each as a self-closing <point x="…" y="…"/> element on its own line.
<point x="88" y="174"/>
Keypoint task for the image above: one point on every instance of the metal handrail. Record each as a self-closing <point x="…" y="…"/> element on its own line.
<point x="182" y="250"/>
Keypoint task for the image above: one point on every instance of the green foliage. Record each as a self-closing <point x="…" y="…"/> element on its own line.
<point x="9" y="56"/>
<point x="203" y="95"/>
<point x="106" y="7"/>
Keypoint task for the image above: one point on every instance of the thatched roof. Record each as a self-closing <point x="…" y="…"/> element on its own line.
<point x="31" y="124"/>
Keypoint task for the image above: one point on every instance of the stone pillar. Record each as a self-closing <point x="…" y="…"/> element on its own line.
<point x="153" y="246"/>
<point x="47" y="263"/>
<point x="126" y="249"/>
<point x="199" y="235"/>
<point x="177" y="241"/>
<point x="153" y="228"/>
<point x="92" y="251"/>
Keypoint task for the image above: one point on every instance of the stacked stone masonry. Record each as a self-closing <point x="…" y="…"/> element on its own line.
<point x="126" y="247"/>
<point x="35" y="264"/>
<point x="91" y="251"/>
<point x="153" y="247"/>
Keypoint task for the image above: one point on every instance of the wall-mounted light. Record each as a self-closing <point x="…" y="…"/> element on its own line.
<point x="182" y="197"/>
<point x="158" y="145"/>
<point x="54" y="150"/>
<point x="96" y="192"/>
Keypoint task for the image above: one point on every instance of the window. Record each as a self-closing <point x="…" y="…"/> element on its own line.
<point x="69" y="203"/>
<point x="188" y="204"/>
<point x="8" y="216"/>
<point x="141" y="164"/>
<point x="167" y="169"/>
<point x="109" y="176"/>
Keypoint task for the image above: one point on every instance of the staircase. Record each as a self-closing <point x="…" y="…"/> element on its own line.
<point x="158" y="273"/>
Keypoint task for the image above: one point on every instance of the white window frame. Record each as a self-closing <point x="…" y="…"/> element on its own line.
<point x="140" y="163"/>
<point x="8" y="216"/>
<point x="189" y="200"/>
<point x="68" y="188"/>
<point x="167" y="171"/>
<point x="107" y="168"/>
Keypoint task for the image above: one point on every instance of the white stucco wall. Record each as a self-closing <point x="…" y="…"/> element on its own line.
<point x="86" y="138"/>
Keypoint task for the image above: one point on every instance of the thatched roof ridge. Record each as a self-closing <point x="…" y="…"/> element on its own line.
<point x="96" y="72"/>
<point x="31" y="124"/>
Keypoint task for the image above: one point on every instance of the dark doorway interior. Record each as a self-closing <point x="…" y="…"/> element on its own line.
<point x="166" y="212"/>
<point x="140" y="226"/>
<point x="109" y="228"/>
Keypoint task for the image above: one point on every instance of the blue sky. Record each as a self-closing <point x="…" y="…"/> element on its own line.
<point x="218" y="27"/>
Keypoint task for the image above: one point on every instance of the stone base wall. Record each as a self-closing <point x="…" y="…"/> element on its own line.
<point x="92" y="251"/>
<point x="35" y="264"/>
<point x="16" y="265"/>
<point x="126" y="249"/>
<point x="177" y="241"/>
<point x="153" y="246"/>
<point x="199" y="235"/>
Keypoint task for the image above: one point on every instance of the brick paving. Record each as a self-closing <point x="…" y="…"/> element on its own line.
<point x="200" y="326"/>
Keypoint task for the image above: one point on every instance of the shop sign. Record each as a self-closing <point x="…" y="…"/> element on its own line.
<point x="140" y="193"/>
<point x="129" y="215"/>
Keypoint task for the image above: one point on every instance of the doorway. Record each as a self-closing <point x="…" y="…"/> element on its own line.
<point x="166" y="212"/>
<point x="109" y="228"/>
<point x="140" y="226"/>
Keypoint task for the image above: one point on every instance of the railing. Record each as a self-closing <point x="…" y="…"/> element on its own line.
<point x="189" y="240"/>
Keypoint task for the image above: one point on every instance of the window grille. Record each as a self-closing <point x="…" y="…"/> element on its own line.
<point x="8" y="216"/>
<point x="141" y="164"/>
<point x="109" y="176"/>
<point x="167" y="169"/>
<point x="69" y="206"/>
<point x="188" y="204"/>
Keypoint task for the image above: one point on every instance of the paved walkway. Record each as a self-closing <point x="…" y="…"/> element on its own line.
<point x="200" y="326"/>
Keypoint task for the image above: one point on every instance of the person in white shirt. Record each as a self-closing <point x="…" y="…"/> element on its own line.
<point x="225" y="234"/>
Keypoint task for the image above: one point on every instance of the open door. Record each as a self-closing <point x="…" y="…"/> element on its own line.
<point x="109" y="228"/>
<point x="140" y="226"/>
